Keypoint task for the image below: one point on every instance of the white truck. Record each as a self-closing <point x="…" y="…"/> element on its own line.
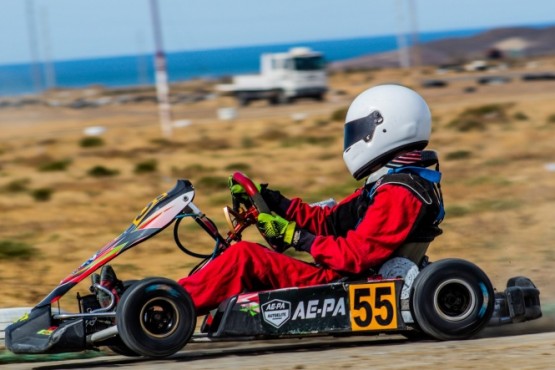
<point x="298" y="73"/>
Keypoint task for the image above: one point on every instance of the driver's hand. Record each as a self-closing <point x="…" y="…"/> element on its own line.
<point x="238" y="193"/>
<point x="277" y="230"/>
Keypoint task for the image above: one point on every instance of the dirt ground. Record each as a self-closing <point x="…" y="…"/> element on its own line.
<point x="498" y="179"/>
<point x="495" y="349"/>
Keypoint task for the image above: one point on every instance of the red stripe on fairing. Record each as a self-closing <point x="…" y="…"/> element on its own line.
<point x="87" y="270"/>
<point x="162" y="212"/>
<point x="248" y="297"/>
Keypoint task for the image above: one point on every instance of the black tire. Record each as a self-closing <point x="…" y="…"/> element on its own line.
<point x="243" y="100"/>
<point x="452" y="299"/>
<point x="116" y="343"/>
<point x="117" y="346"/>
<point x="283" y="98"/>
<point x="319" y="97"/>
<point x="155" y="317"/>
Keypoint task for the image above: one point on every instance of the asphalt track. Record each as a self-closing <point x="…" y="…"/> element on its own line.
<point x="518" y="346"/>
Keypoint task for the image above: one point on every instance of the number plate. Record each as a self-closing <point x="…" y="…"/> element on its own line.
<point x="373" y="306"/>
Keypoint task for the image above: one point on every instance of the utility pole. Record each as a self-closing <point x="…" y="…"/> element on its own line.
<point x="416" y="57"/>
<point x="162" y="88"/>
<point x="404" y="57"/>
<point x="33" y="46"/>
<point x="49" y="68"/>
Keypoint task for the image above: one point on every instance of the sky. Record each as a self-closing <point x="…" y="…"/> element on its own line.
<point x="76" y="29"/>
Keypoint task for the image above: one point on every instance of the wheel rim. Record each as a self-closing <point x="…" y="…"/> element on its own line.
<point x="159" y="317"/>
<point x="454" y="300"/>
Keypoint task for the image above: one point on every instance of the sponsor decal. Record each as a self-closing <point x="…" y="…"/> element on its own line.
<point x="25" y="317"/>
<point x="316" y="308"/>
<point x="250" y="308"/>
<point x="48" y="331"/>
<point x="308" y="310"/>
<point x="276" y="312"/>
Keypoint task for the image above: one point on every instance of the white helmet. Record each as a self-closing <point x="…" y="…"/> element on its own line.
<point x="382" y="122"/>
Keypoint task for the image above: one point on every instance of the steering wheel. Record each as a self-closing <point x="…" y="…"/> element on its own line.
<point x="259" y="205"/>
<point x="251" y="190"/>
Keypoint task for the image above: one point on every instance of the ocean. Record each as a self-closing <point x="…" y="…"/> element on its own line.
<point x="125" y="71"/>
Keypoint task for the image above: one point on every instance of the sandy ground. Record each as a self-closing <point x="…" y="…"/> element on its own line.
<point x="494" y="349"/>
<point x="500" y="196"/>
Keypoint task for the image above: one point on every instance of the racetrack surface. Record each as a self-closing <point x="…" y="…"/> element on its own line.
<point x="519" y="346"/>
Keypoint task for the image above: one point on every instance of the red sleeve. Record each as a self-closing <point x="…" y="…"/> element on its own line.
<point x="313" y="218"/>
<point x="384" y="227"/>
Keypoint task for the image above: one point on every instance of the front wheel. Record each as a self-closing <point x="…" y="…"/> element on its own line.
<point x="452" y="299"/>
<point x="155" y="317"/>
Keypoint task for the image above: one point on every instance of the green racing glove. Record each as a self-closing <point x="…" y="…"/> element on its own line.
<point x="277" y="230"/>
<point x="237" y="191"/>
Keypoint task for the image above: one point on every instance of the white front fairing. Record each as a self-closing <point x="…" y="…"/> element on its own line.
<point x="165" y="215"/>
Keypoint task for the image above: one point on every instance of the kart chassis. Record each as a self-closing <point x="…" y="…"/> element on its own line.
<point x="447" y="300"/>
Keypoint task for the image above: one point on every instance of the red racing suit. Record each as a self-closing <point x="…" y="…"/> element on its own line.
<point x="354" y="236"/>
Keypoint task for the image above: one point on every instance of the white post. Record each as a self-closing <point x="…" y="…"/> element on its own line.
<point x="404" y="58"/>
<point x="161" y="75"/>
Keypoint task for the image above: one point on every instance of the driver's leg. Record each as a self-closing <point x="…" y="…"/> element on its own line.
<point x="248" y="266"/>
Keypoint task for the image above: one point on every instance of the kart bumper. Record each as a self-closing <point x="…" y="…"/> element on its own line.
<point x="38" y="333"/>
<point x="519" y="302"/>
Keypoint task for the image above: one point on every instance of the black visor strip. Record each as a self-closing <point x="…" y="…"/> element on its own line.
<point x="361" y="129"/>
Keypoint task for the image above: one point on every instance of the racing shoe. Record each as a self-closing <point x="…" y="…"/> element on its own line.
<point x="109" y="280"/>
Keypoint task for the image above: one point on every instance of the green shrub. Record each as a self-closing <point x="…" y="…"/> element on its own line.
<point x="551" y="118"/>
<point x="91" y="141"/>
<point x="488" y="110"/>
<point x="459" y="154"/>
<point x="161" y="142"/>
<point x="212" y="183"/>
<point x="191" y="170"/>
<point x="238" y="167"/>
<point x="147" y="166"/>
<point x="519" y="116"/>
<point x="60" y="165"/>
<point x="456" y="211"/>
<point x="273" y="134"/>
<point x="12" y="249"/>
<point x="42" y="194"/>
<point x="310" y="140"/>
<point x="322" y="122"/>
<point x="17" y="186"/>
<point x="247" y="142"/>
<point x="101" y="171"/>
<point x="475" y="118"/>
<point x="467" y="124"/>
<point x="339" y="114"/>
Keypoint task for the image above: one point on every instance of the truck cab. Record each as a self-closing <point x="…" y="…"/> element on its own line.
<point x="284" y="77"/>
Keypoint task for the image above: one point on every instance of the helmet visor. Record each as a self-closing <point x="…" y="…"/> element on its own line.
<point x="361" y="129"/>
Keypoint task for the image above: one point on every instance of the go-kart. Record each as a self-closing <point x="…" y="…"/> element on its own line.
<point x="450" y="299"/>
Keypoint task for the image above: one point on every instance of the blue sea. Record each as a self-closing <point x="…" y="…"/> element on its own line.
<point x="124" y="71"/>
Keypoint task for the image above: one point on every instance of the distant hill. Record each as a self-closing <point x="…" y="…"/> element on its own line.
<point x="514" y="41"/>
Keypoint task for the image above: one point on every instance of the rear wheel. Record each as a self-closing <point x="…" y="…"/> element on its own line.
<point x="452" y="299"/>
<point x="155" y="317"/>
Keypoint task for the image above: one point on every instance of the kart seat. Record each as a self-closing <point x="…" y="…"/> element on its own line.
<point x="412" y="251"/>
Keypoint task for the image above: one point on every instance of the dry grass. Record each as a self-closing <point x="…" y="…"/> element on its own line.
<point x="501" y="203"/>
